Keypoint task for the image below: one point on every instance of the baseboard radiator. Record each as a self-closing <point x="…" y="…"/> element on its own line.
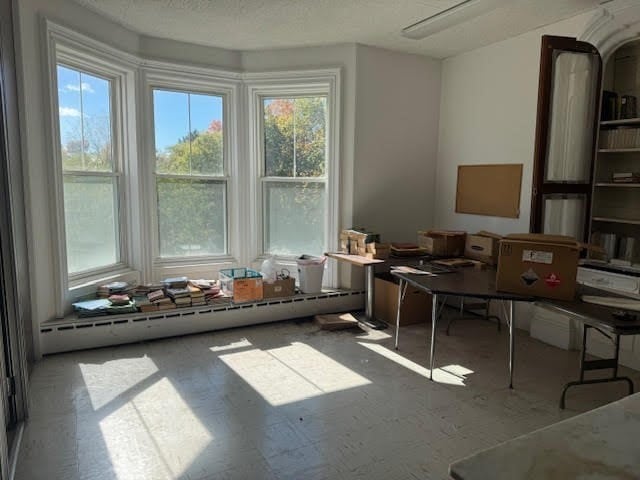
<point x="72" y="333"/>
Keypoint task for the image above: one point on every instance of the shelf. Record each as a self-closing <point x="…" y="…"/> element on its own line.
<point x="625" y="121"/>
<point x="618" y="185"/>
<point x="616" y="220"/>
<point x="618" y="150"/>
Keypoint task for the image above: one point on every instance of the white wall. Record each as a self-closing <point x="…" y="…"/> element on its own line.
<point x="487" y="115"/>
<point x="396" y="137"/>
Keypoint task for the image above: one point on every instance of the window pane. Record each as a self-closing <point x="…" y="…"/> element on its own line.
<point x="84" y="112"/>
<point x="278" y="137"/>
<point x="188" y="133"/>
<point x="294" y="218"/>
<point x="192" y="217"/>
<point x="91" y="222"/>
<point x="310" y="129"/>
<point x="171" y="125"/>
<point x="207" y="146"/>
<point x="295" y="136"/>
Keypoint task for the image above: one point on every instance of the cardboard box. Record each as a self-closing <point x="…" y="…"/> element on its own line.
<point x="416" y="307"/>
<point x="538" y="265"/>
<point x="483" y="246"/>
<point x="372" y="250"/>
<point x="244" y="284"/>
<point x="285" y="287"/>
<point x="442" y="243"/>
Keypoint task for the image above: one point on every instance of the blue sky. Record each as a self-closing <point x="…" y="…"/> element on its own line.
<point x="86" y="96"/>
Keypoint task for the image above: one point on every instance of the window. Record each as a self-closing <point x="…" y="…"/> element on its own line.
<point x="91" y="170"/>
<point x="191" y="182"/>
<point x="294" y="180"/>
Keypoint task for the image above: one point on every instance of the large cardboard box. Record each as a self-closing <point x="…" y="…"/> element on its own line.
<point x="416" y="306"/>
<point x="483" y="246"/>
<point x="284" y="287"/>
<point x="442" y="243"/>
<point x="538" y="265"/>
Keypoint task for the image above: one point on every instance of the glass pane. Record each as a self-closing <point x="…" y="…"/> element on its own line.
<point x="91" y="222"/>
<point x="278" y="137"/>
<point x="565" y="215"/>
<point x="188" y="133"/>
<point x="96" y="122"/>
<point x="294" y="218"/>
<point x="207" y="145"/>
<point x="84" y="112"/>
<point x="310" y="136"/>
<point x="171" y="125"/>
<point x="192" y="217"/>
<point x="570" y="148"/>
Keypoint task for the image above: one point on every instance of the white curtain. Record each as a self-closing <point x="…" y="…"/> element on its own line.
<point x="572" y="110"/>
<point x="565" y="216"/>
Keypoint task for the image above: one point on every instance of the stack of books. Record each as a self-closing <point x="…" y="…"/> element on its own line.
<point x="180" y="296"/>
<point x="626" y="177"/>
<point x="105" y="291"/>
<point x="197" y="296"/>
<point x="156" y="300"/>
<point x="210" y="289"/>
<point x="92" y="308"/>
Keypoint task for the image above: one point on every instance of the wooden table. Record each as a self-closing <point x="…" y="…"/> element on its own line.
<point x="368" y="264"/>
<point x="599" y="444"/>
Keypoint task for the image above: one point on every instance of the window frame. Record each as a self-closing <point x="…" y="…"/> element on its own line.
<point x="74" y="51"/>
<point x="207" y="83"/>
<point x="324" y="83"/>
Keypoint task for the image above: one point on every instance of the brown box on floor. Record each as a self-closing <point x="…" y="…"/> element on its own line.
<point x="483" y="246"/>
<point x="442" y="243"/>
<point x="416" y="307"/>
<point x="538" y="265"/>
<point x="280" y="288"/>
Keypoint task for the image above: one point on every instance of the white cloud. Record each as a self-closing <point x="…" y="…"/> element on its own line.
<point x="69" y="112"/>
<point x="86" y="87"/>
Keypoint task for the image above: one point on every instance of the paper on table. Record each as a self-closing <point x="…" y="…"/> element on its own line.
<point x="617" y="302"/>
<point x="415" y="271"/>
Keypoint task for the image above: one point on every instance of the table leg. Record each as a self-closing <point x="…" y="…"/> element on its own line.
<point x="402" y="289"/>
<point x="511" y="342"/>
<point x="369" y="315"/>
<point x="434" y="318"/>
<point x="598" y="364"/>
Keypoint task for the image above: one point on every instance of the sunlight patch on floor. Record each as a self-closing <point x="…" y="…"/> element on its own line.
<point x="242" y="343"/>
<point x="292" y="373"/>
<point x="450" y="375"/>
<point x="124" y="374"/>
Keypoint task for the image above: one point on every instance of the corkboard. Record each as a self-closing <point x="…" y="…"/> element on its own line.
<point x="492" y="190"/>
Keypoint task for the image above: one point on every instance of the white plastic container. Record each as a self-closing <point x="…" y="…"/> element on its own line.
<point x="310" y="272"/>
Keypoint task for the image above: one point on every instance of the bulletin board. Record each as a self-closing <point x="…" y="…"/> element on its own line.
<point x="492" y="190"/>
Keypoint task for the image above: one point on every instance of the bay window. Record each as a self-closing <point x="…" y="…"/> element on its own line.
<point x="163" y="169"/>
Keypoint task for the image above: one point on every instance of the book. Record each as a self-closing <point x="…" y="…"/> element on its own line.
<point x="176" y="282"/>
<point x="118" y="299"/>
<point x="178" y="292"/>
<point x="155" y="295"/>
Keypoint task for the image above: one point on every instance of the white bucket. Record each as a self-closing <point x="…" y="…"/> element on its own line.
<point x="310" y="275"/>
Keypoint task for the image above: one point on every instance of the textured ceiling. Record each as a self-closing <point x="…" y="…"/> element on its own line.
<point x="267" y="24"/>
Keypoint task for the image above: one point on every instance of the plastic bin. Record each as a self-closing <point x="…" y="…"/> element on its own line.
<point x="244" y="284"/>
<point x="310" y="272"/>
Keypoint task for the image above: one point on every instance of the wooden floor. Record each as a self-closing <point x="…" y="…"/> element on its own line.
<point x="287" y="401"/>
